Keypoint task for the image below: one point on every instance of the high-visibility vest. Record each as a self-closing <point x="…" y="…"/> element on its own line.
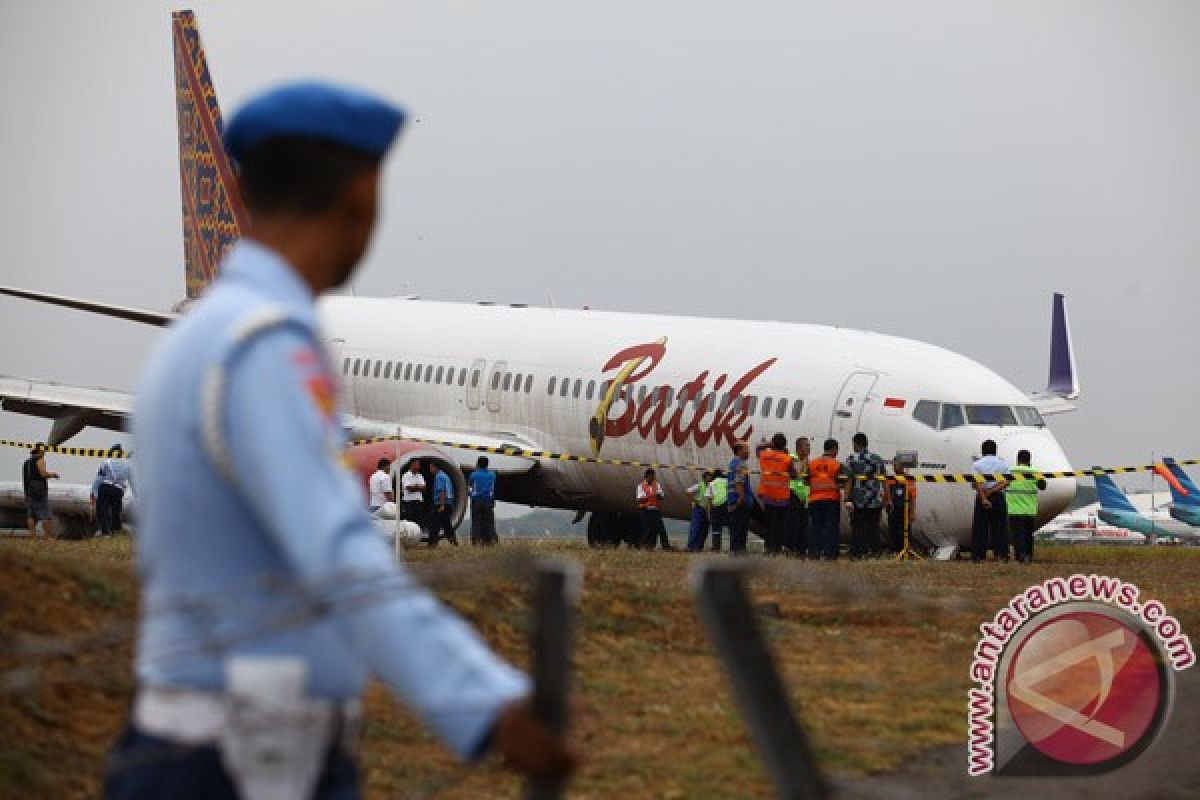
<point x="701" y="491"/>
<point x="797" y="484"/>
<point x="720" y="487"/>
<point x="649" y="497"/>
<point x="1022" y="495"/>
<point x="823" y="475"/>
<point x="774" y="483"/>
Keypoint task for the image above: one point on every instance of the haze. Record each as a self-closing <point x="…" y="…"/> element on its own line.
<point x="933" y="170"/>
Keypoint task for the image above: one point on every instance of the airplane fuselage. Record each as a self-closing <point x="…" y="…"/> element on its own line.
<point x="537" y="376"/>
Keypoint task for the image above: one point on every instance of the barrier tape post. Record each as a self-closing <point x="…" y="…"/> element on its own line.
<point x="555" y="596"/>
<point x="721" y="601"/>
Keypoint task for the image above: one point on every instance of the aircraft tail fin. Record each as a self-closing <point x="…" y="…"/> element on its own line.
<point x="1111" y="497"/>
<point x="1063" y="380"/>
<point x="1190" y="496"/>
<point x="213" y="215"/>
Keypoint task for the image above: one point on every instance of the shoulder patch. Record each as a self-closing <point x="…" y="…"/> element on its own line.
<point x="320" y="386"/>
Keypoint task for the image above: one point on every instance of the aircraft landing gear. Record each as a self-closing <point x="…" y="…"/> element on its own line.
<point x="607" y="529"/>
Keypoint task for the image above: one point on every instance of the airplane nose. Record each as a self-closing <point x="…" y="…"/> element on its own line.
<point x="1047" y="456"/>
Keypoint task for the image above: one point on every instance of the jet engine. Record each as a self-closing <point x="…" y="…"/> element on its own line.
<point x="365" y="457"/>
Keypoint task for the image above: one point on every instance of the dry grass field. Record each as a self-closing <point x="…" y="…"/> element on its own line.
<point x="875" y="656"/>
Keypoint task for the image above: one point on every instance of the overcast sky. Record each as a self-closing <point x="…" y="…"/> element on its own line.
<point x="933" y="170"/>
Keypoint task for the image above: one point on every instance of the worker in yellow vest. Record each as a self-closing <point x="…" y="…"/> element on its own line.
<point x="1022" y="497"/>
<point x="649" y="495"/>
<point x="718" y="516"/>
<point x="774" y="489"/>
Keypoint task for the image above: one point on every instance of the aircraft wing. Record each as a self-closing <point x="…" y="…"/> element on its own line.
<point x="461" y="447"/>
<point x="72" y="408"/>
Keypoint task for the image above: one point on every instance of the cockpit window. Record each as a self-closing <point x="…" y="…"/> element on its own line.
<point x="926" y="411"/>
<point x="990" y="415"/>
<point x="1028" y="415"/>
<point x="952" y="416"/>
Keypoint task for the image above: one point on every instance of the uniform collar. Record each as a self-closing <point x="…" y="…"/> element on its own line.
<point x="261" y="267"/>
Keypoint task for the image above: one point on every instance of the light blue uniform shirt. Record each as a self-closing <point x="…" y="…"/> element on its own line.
<point x="483" y="485"/>
<point x="248" y="516"/>
<point x="115" y="471"/>
<point x="990" y="465"/>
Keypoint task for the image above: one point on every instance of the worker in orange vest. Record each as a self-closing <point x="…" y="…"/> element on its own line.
<point x="774" y="489"/>
<point x="826" y="476"/>
<point x="649" y="495"/>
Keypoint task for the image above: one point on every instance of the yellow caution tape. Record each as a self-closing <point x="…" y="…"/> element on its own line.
<point x="545" y="455"/>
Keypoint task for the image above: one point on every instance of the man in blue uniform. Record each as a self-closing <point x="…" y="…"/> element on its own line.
<point x="268" y="598"/>
<point x="483" y="503"/>
<point x="443" y="507"/>
<point x="108" y="492"/>
<point x="741" y="498"/>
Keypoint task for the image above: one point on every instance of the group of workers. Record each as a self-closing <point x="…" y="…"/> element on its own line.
<point x="801" y="498"/>
<point x="433" y="511"/>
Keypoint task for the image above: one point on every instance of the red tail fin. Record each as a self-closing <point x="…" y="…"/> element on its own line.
<point x="213" y="215"/>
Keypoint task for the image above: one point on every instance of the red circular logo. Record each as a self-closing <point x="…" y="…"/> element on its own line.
<point x="1084" y="688"/>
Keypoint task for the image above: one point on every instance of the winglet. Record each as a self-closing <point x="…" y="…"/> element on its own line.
<point x="1063" y="380"/>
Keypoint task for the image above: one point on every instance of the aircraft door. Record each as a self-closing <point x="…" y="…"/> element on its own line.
<point x="475" y="383"/>
<point x="336" y="348"/>
<point x="493" y="385"/>
<point x="847" y="411"/>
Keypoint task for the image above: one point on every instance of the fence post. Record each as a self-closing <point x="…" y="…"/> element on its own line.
<point x="555" y="595"/>
<point x="721" y="601"/>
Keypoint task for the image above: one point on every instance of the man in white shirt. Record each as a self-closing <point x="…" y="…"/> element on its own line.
<point x="991" y="509"/>
<point x="412" y="494"/>
<point x="380" y="486"/>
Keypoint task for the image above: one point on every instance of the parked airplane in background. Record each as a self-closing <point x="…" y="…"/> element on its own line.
<point x="643" y="387"/>
<point x="1116" y="509"/>
<point x="1185" y="497"/>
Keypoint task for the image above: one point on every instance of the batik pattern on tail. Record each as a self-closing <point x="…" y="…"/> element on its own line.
<point x="213" y="215"/>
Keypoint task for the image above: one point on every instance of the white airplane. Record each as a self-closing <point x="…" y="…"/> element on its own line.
<point x="638" y="387"/>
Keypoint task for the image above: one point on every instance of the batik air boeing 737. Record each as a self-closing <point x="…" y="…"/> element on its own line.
<point x="639" y="387"/>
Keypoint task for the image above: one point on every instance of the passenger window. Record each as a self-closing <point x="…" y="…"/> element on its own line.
<point x="781" y="408"/>
<point x="591" y="390"/>
<point x="378" y="366"/>
<point x="475" y="379"/>
<point x="507" y="381"/>
<point x="528" y="383"/>
<point x="399" y="370"/>
<point x="642" y="393"/>
<point x="578" y="387"/>
<point x="668" y="395"/>
<point x="408" y="371"/>
<point x="357" y="363"/>
<point x="462" y="376"/>
<point x="428" y="372"/>
<point x="346" y="367"/>
<point x="387" y="370"/>
<point x="926" y="412"/>
<point x="550" y="385"/>
<point x="725" y="401"/>
<point x="797" y="409"/>
<point x="1028" y="415"/>
<point x="438" y="377"/>
<point x="766" y="407"/>
<point x="495" y="380"/>
<point x="563" y="386"/>
<point x="952" y="416"/>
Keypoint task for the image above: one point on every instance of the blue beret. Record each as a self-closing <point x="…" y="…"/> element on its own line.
<point x="318" y="110"/>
